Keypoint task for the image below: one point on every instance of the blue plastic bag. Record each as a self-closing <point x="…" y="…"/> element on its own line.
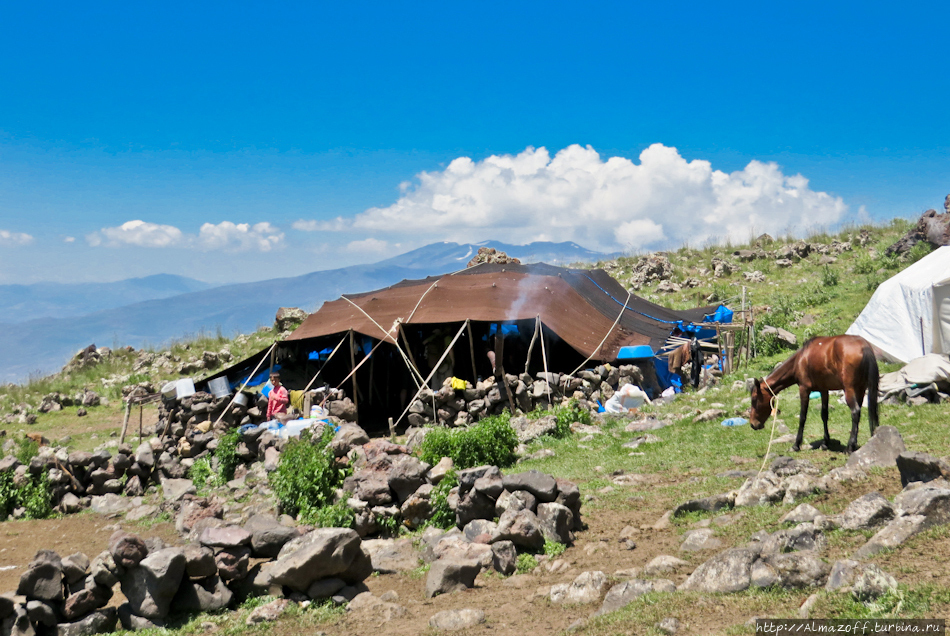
<point x="735" y="421"/>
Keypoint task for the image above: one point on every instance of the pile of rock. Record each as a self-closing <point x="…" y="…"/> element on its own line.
<point x="210" y="574"/>
<point x="523" y="393"/>
<point x="389" y="486"/>
<point x="491" y="255"/>
<point x="650" y="269"/>
<point x="196" y="413"/>
<point x="531" y="508"/>
<point x="931" y="228"/>
<point x="25" y="413"/>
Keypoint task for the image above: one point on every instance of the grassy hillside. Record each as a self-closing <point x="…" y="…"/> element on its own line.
<point x="806" y="298"/>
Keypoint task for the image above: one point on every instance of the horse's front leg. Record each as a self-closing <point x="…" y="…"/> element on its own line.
<point x="824" y="419"/>
<point x="854" y="403"/>
<point x="803" y="395"/>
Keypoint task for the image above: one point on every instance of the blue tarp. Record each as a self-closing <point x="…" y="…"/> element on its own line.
<point x="262" y="376"/>
<point x="665" y="377"/>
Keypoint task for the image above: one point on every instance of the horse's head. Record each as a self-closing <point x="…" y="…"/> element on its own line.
<point x="761" y="405"/>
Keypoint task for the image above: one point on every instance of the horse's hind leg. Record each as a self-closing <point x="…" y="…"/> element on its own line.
<point x="803" y="395"/>
<point x="854" y="399"/>
<point x="824" y="419"/>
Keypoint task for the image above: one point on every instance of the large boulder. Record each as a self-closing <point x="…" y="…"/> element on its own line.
<point x="586" y="588"/>
<point x="867" y="511"/>
<point x="624" y="593"/>
<point x="43" y="578"/>
<point x="557" y="522"/>
<point x="288" y="318"/>
<point x="448" y="575"/>
<point x="917" y="466"/>
<point x="522" y="528"/>
<point x="728" y="571"/>
<point x="881" y="450"/>
<point x="102" y="621"/>
<point x="320" y="554"/>
<point x="542" y="486"/>
<point x="764" y="489"/>
<point x="204" y="595"/>
<point x="268" y="536"/>
<point x="151" y="586"/>
<point x="406" y="475"/>
<point x="392" y="555"/>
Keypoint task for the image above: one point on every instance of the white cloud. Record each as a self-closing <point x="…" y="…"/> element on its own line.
<point x="226" y="235"/>
<point x="262" y="237"/>
<point x="370" y="247"/>
<point x="138" y="233"/>
<point x="662" y="201"/>
<point x="338" y="224"/>
<point x="14" y="238"/>
<point x="69" y="239"/>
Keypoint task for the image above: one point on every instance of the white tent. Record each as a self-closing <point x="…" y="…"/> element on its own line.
<point x="909" y="314"/>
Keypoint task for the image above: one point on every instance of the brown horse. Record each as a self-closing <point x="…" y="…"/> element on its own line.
<point x="823" y="364"/>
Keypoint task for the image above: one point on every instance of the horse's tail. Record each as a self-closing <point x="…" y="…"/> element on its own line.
<point x="869" y="364"/>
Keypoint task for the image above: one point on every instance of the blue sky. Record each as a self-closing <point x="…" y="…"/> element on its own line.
<point x="296" y="134"/>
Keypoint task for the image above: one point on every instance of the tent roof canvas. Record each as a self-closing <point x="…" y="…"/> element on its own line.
<point x="580" y="306"/>
<point x="909" y="314"/>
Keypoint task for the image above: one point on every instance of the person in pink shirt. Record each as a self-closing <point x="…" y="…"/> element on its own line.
<point x="278" y="399"/>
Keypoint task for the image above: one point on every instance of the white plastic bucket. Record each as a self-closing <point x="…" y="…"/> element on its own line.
<point x="169" y="389"/>
<point x="241" y="399"/>
<point x="184" y="388"/>
<point x="219" y="387"/>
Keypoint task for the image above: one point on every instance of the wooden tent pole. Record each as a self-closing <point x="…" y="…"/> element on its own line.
<point x="544" y="357"/>
<point x="500" y="366"/>
<point x="534" y="337"/>
<point x="140" y="422"/>
<point x="353" y="366"/>
<point x="425" y="382"/>
<point x="471" y="350"/>
<point x="412" y="358"/>
<point x="125" y="420"/>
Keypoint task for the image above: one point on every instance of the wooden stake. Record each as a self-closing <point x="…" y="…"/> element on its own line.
<point x="353" y="366"/>
<point x="140" y="423"/>
<point x="125" y="421"/>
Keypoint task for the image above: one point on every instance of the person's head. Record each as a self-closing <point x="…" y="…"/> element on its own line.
<point x="275" y="379"/>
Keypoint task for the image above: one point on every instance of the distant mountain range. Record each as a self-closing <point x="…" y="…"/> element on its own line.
<point x="43" y="345"/>
<point x="20" y="303"/>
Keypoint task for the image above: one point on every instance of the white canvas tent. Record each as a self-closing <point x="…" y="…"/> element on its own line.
<point x="909" y="314"/>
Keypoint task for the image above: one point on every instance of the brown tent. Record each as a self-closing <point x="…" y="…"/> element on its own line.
<point x="578" y="314"/>
<point x="579" y="306"/>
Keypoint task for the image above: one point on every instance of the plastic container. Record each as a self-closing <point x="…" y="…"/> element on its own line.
<point x="317" y="412"/>
<point x="241" y="399"/>
<point x="626" y="398"/>
<point x="169" y="390"/>
<point x="219" y="387"/>
<point x="184" y="388"/>
<point x="735" y="421"/>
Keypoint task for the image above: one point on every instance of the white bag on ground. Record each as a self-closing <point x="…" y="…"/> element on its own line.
<point x="627" y="397"/>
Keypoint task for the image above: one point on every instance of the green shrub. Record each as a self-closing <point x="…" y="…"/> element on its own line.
<point x="554" y="548"/>
<point x="491" y="441"/>
<point x="567" y="415"/>
<point x="307" y="477"/>
<point x="201" y="474"/>
<point x="226" y="452"/>
<point x="526" y="563"/>
<point x="26" y="449"/>
<point x="339" y="515"/>
<point x="918" y="251"/>
<point x="442" y="515"/>
<point x="34" y="497"/>
<point x="864" y="264"/>
<point x="829" y="277"/>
